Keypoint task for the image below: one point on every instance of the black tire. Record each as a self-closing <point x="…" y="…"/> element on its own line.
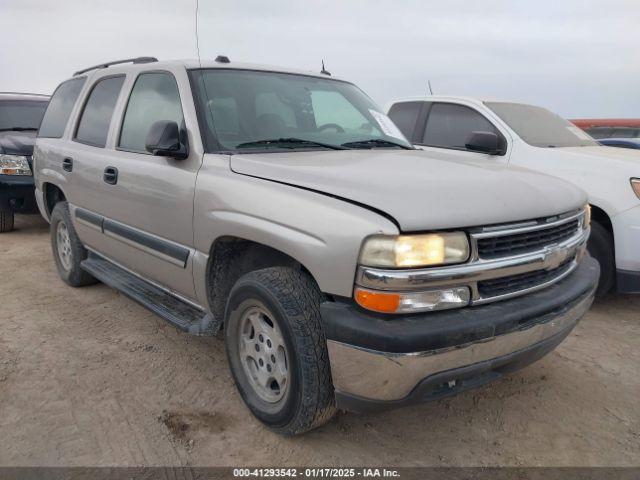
<point x="601" y="248"/>
<point x="71" y="273"/>
<point x="293" y="300"/>
<point x="6" y="220"/>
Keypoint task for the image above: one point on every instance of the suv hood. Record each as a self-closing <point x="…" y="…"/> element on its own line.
<point x="622" y="157"/>
<point x="17" y="143"/>
<point x="420" y="190"/>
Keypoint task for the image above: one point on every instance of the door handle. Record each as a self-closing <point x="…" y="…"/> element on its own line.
<point x="67" y="164"/>
<point x="110" y="175"/>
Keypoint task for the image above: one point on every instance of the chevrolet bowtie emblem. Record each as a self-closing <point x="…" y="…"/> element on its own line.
<point x="554" y="258"/>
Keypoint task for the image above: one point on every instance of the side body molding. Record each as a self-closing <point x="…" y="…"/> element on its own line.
<point x="151" y="244"/>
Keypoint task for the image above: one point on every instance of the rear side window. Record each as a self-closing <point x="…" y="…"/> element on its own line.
<point x="405" y="116"/>
<point x="450" y="126"/>
<point x="154" y="97"/>
<point x="96" y="116"/>
<point x="57" y="114"/>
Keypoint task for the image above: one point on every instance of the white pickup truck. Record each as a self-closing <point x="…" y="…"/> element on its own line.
<point x="533" y="137"/>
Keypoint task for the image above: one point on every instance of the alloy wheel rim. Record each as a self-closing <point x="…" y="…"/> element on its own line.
<point x="64" y="246"/>
<point x="263" y="354"/>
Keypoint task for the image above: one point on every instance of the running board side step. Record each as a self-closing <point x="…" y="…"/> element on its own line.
<point x="175" y="311"/>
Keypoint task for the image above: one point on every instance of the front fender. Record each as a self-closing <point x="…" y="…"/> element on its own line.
<point x="322" y="233"/>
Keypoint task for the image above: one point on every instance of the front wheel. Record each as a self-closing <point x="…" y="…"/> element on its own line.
<point x="277" y="350"/>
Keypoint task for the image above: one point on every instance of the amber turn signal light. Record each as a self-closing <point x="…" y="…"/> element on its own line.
<point x="377" y="301"/>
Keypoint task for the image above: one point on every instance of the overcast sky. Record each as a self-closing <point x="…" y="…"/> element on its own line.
<point x="579" y="58"/>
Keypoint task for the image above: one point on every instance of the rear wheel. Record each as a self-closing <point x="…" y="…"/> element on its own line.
<point x="6" y="220"/>
<point x="68" y="251"/>
<point x="601" y="248"/>
<point x="277" y="350"/>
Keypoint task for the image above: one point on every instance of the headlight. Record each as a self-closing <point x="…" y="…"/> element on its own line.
<point x="586" y="219"/>
<point x="408" y="251"/>
<point x="14" y="165"/>
<point x="635" y="184"/>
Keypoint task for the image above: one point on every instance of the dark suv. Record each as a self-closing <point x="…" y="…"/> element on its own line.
<point x="20" y="117"/>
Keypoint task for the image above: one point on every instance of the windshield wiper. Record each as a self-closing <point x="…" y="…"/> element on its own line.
<point x="18" y="129"/>
<point x="375" y="143"/>
<point x="289" y="141"/>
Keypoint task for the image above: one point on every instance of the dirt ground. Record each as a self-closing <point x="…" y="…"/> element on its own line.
<point x="88" y="377"/>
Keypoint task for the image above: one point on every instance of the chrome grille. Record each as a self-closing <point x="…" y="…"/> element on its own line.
<point x="546" y="237"/>
<point x="503" y="286"/>
<point x="506" y="245"/>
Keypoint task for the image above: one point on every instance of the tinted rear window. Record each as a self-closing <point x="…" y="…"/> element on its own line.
<point x="405" y="116"/>
<point x="59" y="109"/>
<point x="96" y="116"/>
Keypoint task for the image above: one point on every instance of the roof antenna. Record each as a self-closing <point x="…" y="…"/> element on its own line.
<point x="197" y="36"/>
<point x="430" y="89"/>
<point x="323" y="71"/>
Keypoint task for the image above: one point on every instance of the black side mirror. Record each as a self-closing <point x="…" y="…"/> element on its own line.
<point x="485" y="142"/>
<point x="164" y="140"/>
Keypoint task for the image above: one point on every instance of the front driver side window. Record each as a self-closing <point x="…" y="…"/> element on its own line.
<point x="154" y="97"/>
<point x="450" y="125"/>
<point x="405" y="116"/>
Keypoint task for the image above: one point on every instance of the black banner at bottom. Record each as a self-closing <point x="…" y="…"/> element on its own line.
<point x="418" y="473"/>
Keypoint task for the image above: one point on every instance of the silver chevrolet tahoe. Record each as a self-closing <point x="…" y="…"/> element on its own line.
<point x="284" y="209"/>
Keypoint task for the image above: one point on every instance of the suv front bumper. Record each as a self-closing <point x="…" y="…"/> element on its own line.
<point x="380" y="362"/>
<point x="17" y="193"/>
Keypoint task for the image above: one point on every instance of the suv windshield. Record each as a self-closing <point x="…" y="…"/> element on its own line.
<point x="539" y="127"/>
<point x="21" y="114"/>
<point x="246" y="110"/>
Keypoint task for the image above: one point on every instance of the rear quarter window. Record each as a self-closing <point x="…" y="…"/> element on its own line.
<point x="57" y="114"/>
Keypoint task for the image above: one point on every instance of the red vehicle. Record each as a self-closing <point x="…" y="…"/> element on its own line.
<point x="610" y="127"/>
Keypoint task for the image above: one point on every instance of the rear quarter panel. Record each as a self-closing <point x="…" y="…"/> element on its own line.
<point x="48" y="154"/>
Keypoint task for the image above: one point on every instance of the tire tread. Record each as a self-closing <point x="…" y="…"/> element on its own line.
<point x="601" y="247"/>
<point x="6" y="220"/>
<point x="300" y="298"/>
<point x="77" y="277"/>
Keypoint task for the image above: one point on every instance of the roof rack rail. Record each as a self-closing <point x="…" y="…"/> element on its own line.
<point x="25" y="93"/>
<point x="117" y="62"/>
